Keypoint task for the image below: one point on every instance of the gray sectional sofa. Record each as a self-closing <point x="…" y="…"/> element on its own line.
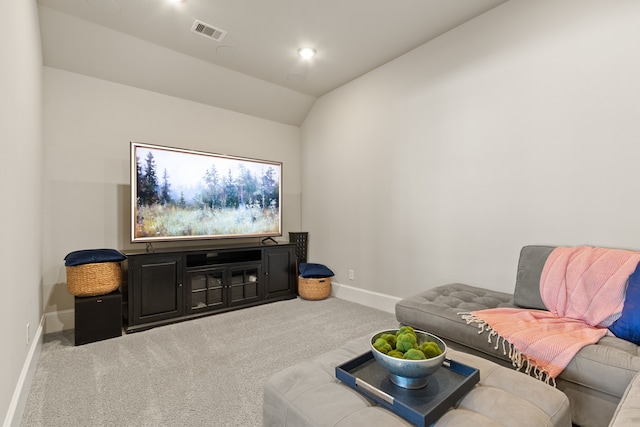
<point x="596" y="379"/>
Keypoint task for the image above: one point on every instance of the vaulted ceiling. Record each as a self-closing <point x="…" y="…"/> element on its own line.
<point x="254" y="68"/>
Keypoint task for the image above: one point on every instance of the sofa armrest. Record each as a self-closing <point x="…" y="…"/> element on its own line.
<point x="628" y="411"/>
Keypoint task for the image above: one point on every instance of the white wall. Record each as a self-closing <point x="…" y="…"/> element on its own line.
<point x="20" y="191"/>
<point x="88" y="126"/>
<point x="518" y="127"/>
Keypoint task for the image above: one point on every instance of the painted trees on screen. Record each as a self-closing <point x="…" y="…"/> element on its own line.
<point x="224" y="203"/>
<point x="147" y="182"/>
<point x="164" y="189"/>
<point x="212" y="186"/>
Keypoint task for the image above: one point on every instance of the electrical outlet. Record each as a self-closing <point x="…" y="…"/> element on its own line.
<point x="352" y="275"/>
<point x="28" y="335"/>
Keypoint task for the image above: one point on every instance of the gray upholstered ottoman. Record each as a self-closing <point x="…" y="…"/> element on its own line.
<point x="308" y="394"/>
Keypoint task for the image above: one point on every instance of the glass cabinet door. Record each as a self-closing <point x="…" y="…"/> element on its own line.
<point x="244" y="284"/>
<point x="206" y="289"/>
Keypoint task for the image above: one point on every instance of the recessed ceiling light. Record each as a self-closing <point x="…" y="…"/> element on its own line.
<point x="306" y="52"/>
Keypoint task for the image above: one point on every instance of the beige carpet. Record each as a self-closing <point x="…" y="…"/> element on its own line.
<point x="204" y="372"/>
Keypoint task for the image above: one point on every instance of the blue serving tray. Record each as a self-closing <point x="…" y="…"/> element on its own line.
<point x="421" y="407"/>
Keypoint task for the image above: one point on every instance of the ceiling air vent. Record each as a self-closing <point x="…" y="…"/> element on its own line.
<point x="208" y="30"/>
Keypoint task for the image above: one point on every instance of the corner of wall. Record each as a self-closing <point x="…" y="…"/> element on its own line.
<point x="58" y="321"/>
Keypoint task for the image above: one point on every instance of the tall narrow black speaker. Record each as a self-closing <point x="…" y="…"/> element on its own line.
<point x="301" y="240"/>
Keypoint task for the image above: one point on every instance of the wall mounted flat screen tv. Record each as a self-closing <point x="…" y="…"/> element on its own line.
<point x="179" y="194"/>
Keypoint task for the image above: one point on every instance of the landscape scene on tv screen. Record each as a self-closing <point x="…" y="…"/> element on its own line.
<point x="183" y="194"/>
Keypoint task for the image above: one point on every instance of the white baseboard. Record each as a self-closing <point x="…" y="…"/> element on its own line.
<point x="57" y="321"/>
<point x="21" y="392"/>
<point x="362" y="296"/>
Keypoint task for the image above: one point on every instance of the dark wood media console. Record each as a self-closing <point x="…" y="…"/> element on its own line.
<point x="172" y="285"/>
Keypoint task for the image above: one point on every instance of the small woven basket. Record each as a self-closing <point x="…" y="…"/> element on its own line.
<point x="314" y="289"/>
<point x="93" y="279"/>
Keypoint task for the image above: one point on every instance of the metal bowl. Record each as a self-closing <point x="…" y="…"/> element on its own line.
<point x="411" y="374"/>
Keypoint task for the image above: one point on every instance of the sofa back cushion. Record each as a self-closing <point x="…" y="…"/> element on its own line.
<point x="530" y="265"/>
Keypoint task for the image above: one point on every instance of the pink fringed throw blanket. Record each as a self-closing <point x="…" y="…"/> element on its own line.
<point x="583" y="288"/>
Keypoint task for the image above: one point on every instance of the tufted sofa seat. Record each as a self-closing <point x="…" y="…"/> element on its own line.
<point x="595" y="380"/>
<point x="437" y="311"/>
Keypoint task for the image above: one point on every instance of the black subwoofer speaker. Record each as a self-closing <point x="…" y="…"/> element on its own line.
<point x="98" y="318"/>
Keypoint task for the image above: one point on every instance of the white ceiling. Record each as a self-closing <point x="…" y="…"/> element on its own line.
<point x="255" y="68"/>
